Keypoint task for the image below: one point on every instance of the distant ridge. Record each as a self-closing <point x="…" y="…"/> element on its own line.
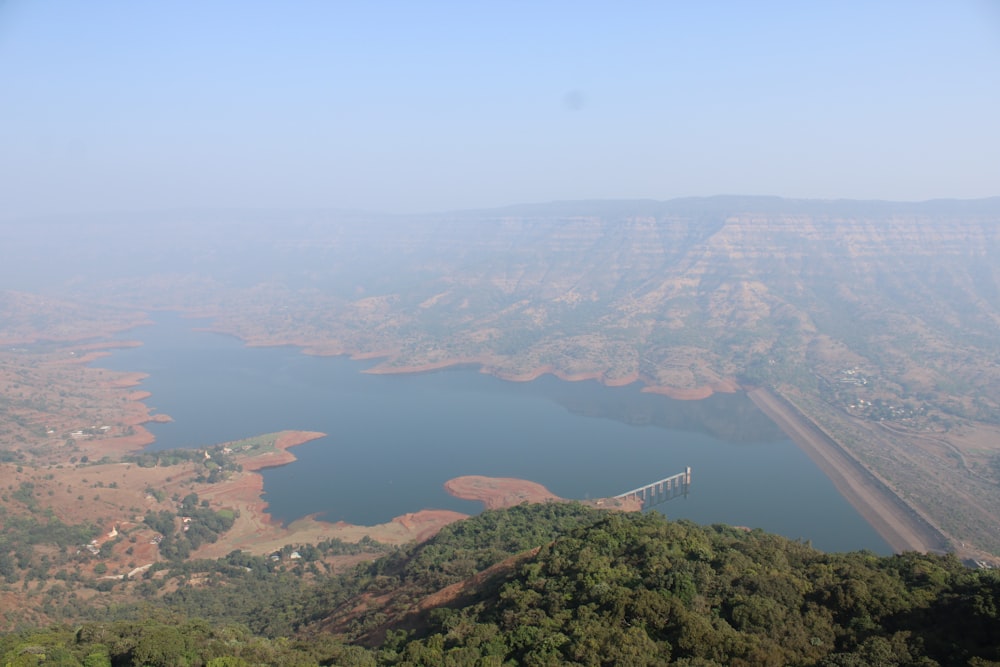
<point x="731" y="205"/>
<point x="717" y="205"/>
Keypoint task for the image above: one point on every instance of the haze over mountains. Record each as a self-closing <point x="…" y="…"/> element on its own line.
<point x="878" y="319"/>
<point x="729" y="278"/>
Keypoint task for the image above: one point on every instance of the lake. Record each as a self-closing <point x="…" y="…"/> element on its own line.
<point x="393" y="440"/>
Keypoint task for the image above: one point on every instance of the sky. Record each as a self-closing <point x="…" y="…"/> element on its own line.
<point x="409" y="107"/>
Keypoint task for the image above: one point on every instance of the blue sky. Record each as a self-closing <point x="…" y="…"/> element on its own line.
<point x="430" y="106"/>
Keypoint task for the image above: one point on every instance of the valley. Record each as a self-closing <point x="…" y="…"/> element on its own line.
<point x="876" y="321"/>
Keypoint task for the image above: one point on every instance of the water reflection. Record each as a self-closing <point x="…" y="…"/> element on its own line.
<point x="730" y="417"/>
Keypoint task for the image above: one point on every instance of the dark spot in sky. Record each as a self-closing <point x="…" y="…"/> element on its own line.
<point x="574" y="100"/>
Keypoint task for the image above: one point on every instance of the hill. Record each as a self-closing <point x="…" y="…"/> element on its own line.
<point x="562" y="584"/>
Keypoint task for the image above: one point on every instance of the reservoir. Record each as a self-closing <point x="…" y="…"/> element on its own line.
<point x="394" y="440"/>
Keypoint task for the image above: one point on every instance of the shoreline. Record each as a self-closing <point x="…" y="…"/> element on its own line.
<point x="483" y="364"/>
<point x="248" y="488"/>
<point x="897" y="524"/>
<point x="498" y="492"/>
<point x="280" y="456"/>
<point x="895" y="521"/>
<point x="486" y="364"/>
<point x="257" y="531"/>
<point x="501" y="492"/>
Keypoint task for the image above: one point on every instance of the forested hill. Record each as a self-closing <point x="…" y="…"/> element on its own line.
<point x="563" y="585"/>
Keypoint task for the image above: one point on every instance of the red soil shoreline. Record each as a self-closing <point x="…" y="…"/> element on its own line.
<point x="245" y="490"/>
<point x="248" y="489"/>
<point x="726" y="386"/>
<point x="498" y="492"/>
<point x="487" y="365"/>
<point x="281" y="456"/>
<point x="257" y="531"/>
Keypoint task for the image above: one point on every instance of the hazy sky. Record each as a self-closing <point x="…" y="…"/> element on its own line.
<point x="423" y="106"/>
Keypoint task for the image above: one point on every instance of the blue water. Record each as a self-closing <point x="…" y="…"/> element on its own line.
<point x="393" y="440"/>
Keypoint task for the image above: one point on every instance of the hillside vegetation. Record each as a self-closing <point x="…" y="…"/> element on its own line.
<point x="564" y="585"/>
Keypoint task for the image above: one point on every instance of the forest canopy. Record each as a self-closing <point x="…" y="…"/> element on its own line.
<point x="560" y="584"/>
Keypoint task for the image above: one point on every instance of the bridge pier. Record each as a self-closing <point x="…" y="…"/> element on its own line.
<point x="661" y="490"/>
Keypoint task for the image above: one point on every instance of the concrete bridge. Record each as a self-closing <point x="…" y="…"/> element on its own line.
<point x="662" y="490"/>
